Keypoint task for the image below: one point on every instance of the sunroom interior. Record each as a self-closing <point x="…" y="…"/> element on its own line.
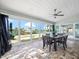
<point x="29" y="20"/>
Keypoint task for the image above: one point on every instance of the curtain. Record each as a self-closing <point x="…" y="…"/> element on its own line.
<point x="4" y="34"/>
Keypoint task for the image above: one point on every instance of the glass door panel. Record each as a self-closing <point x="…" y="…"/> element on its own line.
<point x="13" y="30"/>
<point x="77" y="30"/>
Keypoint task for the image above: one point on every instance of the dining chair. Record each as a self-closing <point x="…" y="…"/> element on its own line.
<point x="63" y="40"/>
<point x="47" y="41"/>
<point x="44" y="41"/>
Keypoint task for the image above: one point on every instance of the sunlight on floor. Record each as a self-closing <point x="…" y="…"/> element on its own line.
<point x="34" y="51"/>
<point x="36" y="54"/>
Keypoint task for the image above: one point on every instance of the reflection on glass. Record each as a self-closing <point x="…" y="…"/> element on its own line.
<point x="77" y="30"/>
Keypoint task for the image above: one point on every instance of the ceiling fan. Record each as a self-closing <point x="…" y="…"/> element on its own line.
<point x="57" y="13"/>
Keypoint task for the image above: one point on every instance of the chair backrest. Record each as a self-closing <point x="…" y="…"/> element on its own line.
<point x="65" y="37"/>
<point x="62" y="38"/>
<point x="47" y="40"/>
<point x="43" y="37"/>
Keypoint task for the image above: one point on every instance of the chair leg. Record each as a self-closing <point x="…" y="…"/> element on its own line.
<point x="66" y="45"/>
<point x="46" y="45"/>
<point x="43" y="45"/>
<point x="55" y="45"/>
<point x="49" y="48"/>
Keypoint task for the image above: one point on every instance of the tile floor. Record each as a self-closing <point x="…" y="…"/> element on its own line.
<point x="33" y="50"/>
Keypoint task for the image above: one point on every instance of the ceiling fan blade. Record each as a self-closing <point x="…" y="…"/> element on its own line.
<point x="55" y="14"/>
<point x="60" y="15"/>
<point x="59" y="12"/>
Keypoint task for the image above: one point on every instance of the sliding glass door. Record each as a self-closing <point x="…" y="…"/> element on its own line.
<point x="23" y="30"/>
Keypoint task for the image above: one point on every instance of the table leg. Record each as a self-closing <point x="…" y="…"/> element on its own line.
<point x="55" y="45"/>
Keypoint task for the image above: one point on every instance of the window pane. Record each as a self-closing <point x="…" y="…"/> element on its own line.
<point x="68" y="29"/>
<point x="57" y="28"/>
<point x="13" y="29"/>
<point x="37" y="30"/>
<point x="25" y="30"/>
<point x="77" y="30"/>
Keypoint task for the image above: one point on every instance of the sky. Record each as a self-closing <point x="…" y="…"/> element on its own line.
<point x="26" y="24"/>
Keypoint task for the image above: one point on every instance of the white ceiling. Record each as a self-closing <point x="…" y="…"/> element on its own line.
<point x="42" y="8"/>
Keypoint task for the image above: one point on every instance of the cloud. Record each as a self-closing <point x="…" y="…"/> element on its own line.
<point x="46" y="27"/>
<point x="10" y="20"/>
<point x="29" y="24"/>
